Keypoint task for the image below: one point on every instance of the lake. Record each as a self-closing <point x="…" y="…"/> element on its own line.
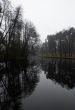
<point x="47" y="85"/>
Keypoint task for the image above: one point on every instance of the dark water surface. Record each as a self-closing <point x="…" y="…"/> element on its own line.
<point x="48" y="85"/>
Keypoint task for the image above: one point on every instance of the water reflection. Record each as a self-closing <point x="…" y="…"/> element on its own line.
<point x="60" y="71"/>
<point x="16" y="81"/>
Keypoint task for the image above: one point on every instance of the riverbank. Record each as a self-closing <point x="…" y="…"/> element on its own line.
<point x="57" y="57"/>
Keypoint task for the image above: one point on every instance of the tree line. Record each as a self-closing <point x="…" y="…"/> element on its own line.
<point x="61" y="44"/>
<point x="18" y="38"/>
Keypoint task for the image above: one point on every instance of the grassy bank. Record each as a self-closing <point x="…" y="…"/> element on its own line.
<point x="57" y="56"/>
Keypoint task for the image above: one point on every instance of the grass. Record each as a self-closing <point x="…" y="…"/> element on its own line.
<point x="57" y="56"/>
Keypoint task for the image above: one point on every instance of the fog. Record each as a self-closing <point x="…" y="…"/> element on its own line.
<point x="49" y="16"/>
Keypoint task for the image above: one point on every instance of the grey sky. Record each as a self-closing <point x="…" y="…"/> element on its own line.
<point x="48" y="16"/>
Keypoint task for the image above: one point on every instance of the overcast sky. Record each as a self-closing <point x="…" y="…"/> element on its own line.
<point x="48" y="16"/>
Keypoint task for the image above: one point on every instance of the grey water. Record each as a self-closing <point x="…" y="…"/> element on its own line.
<point x="47" y="85"/>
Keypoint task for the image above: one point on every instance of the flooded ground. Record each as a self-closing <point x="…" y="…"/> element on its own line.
<point x="48" y="85"/>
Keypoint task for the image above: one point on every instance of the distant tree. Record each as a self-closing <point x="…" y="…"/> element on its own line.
<point x="51" y="44"/>
<point x="62" y="43"/>
<point x="30" y="38"/>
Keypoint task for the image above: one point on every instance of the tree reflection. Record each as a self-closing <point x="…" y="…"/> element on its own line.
<point x="16" y="81"/>
<point x="62" y="72"/>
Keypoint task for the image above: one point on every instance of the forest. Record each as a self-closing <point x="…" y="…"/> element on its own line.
<point x="60" y="45"/>
<point x="18" y="38"/>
